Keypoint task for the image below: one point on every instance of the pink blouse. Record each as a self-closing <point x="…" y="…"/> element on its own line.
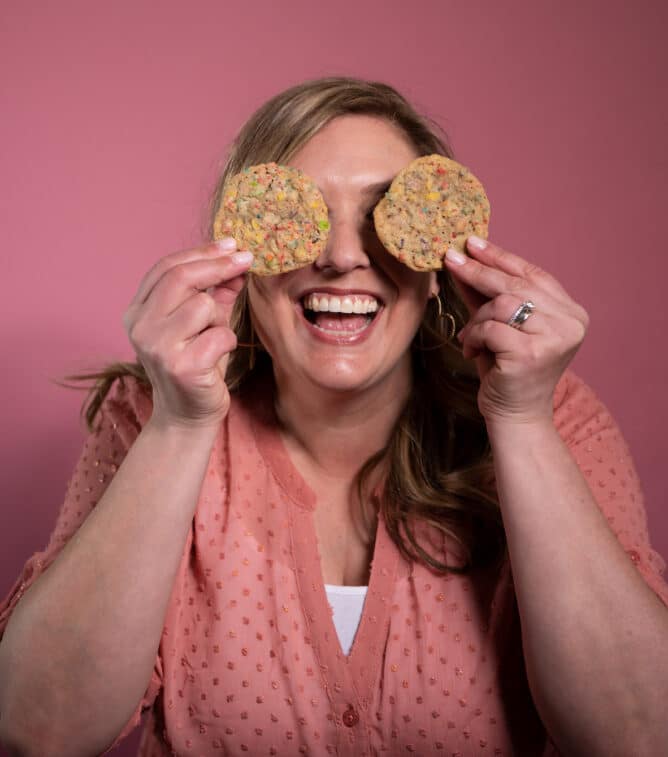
<point x="250" y="662"/>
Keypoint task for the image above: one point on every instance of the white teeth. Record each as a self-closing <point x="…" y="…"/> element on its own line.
<point x="323" y="303"/>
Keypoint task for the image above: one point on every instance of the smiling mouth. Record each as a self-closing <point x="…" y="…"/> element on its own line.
<point x="340" y="315"/>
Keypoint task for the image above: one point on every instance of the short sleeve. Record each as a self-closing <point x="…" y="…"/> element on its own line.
<point x="602" y="454"/>
<point x="118" y="423"/>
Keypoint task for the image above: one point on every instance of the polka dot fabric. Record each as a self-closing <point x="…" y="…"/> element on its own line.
<point x="250" y="662"/>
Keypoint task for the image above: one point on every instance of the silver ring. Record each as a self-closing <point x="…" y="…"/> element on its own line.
<point x="521" y="314"/>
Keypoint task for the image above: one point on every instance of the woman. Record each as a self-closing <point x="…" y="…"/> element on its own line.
<point x="227" y="493"/>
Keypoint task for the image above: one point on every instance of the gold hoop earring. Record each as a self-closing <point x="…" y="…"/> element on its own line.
<point x="437" y="296"/>
<point x="453" y="323"/>
<point x="441" y="314"/>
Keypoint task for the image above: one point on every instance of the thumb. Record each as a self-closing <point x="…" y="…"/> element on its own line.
<point x="226" y="292"/>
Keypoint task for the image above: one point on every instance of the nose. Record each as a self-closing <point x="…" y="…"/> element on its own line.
<point x="344" y="250"/>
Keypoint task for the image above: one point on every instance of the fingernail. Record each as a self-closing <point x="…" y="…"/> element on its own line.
<point x="243" y="258"/>
<point x="226" y="243"/>
<point x="476" y="243"/>
<point x="455" y="256"/>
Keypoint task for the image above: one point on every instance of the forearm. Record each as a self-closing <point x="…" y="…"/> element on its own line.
<point x="79" y="649"/>
<point x="595" y="636"/>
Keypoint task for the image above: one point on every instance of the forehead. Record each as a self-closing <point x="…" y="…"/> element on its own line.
<point x="355" y="147"/>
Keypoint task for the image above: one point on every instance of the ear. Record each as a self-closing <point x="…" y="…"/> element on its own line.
<point x="434" y="288"/>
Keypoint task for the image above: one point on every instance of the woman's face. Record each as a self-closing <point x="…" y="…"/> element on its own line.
<point x="352" y="159"/>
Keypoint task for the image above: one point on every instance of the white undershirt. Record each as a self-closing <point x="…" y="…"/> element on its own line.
<point x="347" y="603"/>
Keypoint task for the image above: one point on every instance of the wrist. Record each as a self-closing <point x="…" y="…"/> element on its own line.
<point x="180" y="431"/>
<point x="527" y="428"/>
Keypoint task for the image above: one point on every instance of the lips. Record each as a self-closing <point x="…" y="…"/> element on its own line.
<point x="340" y="317"/>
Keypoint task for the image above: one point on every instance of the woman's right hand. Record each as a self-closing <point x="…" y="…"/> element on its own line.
<point x="178" y="323"/>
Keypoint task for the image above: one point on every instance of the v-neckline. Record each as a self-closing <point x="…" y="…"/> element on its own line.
<point x="355" y="673"/>
<point x="348" y="679"/>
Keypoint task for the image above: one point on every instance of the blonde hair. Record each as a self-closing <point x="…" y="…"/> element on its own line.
<point x="438" y="460"/>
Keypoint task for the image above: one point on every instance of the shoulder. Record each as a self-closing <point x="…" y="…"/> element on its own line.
<point x="129" y="404"/>
<point x="596" y="443"/>
<point x="605" y="460"/>
<point x="126" y="407"/>
<point x="600" y="450"/>
<point x="578" y="412"/>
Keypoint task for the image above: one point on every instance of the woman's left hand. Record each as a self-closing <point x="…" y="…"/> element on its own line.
<point x="518" y="367"/>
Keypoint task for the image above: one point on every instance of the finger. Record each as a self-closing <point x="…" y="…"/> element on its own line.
<point x="204" y="351"/>
<point x="492" y="255"/>
<point x="494" y="337"/>
<point x="227" y="292"/>
<point x="183" y="280"/>
<point x="483" y="279"/>
<point x="484" y="359"/>
<point x="504" y="306"/>
<point x="210" y="346"/>
<point x="224" y="246"/>
<point x="197" y="313"/>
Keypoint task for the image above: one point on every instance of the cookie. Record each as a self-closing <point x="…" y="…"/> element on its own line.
<point x="432" y="204"/>
<point x="277" y="213"/>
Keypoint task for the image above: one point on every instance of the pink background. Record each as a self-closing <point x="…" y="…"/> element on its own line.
<point x="115" y="118"/>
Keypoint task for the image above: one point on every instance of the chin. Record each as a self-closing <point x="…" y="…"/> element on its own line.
<point x="340" y="378"/>
<point x="345" y="376"/>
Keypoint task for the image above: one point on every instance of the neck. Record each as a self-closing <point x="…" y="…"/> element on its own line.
<point x="336" y="432"/>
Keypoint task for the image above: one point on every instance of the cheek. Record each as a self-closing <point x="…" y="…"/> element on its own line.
<point x="259" y="300"/>
<point x="271" y="312"/>
<point x="415" y="291"/>
<point x="264" y="297"/>
<point x="258" y="290"/>
<point x="412" y="285"/>
<point x="412" y="304"/>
